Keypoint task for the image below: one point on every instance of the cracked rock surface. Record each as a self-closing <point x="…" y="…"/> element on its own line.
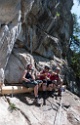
<point x="54" y="112"/>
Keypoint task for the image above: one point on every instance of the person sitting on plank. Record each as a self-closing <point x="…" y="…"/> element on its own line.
<point x="56" y="80"/>
<point x="30" y="82"/>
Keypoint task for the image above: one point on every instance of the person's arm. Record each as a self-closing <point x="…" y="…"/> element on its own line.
<point x="60" y="80"/>
<point x="36" y="74"/>
<point x="47" y="78"/>
<point x="54" y="73"/>
<point x="33" y="74"/>
<point x="48" y="75"/>
<point x="33" y="77"/>
<point x="24" y="77"/>
<point x="40" y="74"/>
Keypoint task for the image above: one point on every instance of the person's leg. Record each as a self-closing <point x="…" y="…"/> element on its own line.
<point x="59" y="88"/>
<point x="59" y="92"/>
<point x="36" y="86"/>
<point x="55" y="88"/>
<point x="44" y="87"/>
<point x="40" y="82"/>
<point x="36" y="90"/>
<point x="50" y="88"/>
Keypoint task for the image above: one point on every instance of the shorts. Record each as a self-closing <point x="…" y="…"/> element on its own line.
<point x="47" y="82"/>
<point x="32" y="83"/>
<point x="56" y="82"/>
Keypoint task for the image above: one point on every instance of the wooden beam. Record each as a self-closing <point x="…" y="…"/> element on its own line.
<point x="4" y="90"/>
<point x="14" y="90"/>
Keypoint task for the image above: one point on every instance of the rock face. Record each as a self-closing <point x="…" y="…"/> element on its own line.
<point x="20" y="110"/>
<point x="37" y="32"/>
<point x="10" y="29"/>
<point x="48" y="27"/>
<point x="10" y="26"/>
<point x="18" y="61"/>
<point x="36" y="27"/>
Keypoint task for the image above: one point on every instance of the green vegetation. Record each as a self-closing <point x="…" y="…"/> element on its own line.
<point x="57" y="14"/>
<point x="12" y="107"/>
<point x="75" y="38"/>
<point x="75" y="47"/>
<point x="76" y="64"/>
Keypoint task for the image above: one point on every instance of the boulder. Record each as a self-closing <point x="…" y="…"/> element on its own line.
<point x="17" y="64"/>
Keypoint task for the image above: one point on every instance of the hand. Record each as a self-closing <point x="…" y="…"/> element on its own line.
<point x="45" y="74"/>
<point x="47" y="78"/>
<point x="27" y="80"/>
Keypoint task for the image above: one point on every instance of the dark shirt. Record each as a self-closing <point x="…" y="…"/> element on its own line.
<point x="28" y="75"/>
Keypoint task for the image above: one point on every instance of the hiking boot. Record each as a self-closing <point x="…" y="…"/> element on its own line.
<point x="44" y="97"/>
<point x="44" y="101"/>
<point x="44" y="94"/>
<point x="51" y="94"/>
<point x="36" y="101"/>
<point x="56" y="97"/>
<point x="56" y="94"/>
<point x="59" y="92"/>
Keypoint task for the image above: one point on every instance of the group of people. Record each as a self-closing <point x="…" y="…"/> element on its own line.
<point x="45" y="78"/>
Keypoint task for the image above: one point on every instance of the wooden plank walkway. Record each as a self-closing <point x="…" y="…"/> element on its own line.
<point x="14" y="90"/>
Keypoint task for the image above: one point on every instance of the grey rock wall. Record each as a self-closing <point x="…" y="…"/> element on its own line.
<point x="10" y="27"/>
<point x="37" y="32"/>
<point x="48" y="27"/>
<point x="41" y="28"/>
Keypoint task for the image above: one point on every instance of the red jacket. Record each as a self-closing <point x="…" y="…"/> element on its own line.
<point x="44" y="77"/>
<point x="54" y="77"/>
